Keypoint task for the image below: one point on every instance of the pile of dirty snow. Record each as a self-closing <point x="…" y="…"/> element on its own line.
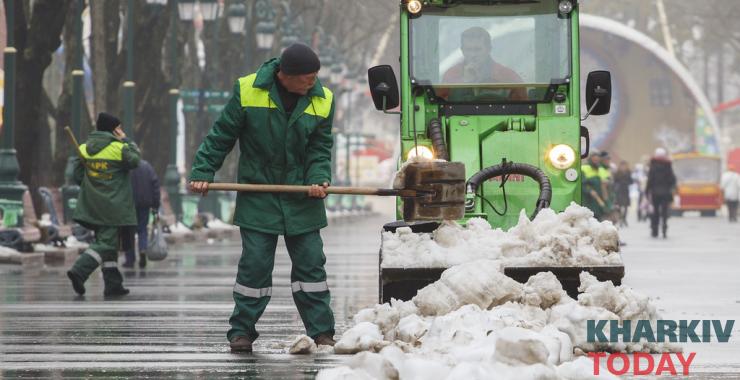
<point x="477" y="323"/>
<point x="464" y="327"/>
<point x="572" y="237"/>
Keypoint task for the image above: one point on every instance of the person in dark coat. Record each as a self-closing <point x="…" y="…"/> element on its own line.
<point x="661" y="185"/>
<point x="622" y="181"/>
<point x="145" y="185"/>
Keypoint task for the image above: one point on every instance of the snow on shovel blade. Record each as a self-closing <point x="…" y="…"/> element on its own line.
<point x="442" y="185"/>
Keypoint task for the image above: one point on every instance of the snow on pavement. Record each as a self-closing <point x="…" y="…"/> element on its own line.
<point x="475" y="321"/>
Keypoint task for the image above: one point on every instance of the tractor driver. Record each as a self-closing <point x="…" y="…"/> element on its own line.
<point x="478" y="66"/>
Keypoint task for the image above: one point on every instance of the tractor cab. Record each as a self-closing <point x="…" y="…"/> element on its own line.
<point x="494" y="85"/>
<point x="491" y="83"/>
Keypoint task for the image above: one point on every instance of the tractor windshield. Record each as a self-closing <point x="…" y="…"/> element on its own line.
<point x="490" y="53"/>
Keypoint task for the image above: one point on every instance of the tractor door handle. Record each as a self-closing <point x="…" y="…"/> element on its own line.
<point x="585" y="134"/>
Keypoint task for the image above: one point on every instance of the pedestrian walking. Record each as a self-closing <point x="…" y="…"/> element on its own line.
<point x="730" y="184"/>
<point x="105" y="202"/>
<point x="145" y="186"/>
<point x="622" y="182"/>
<point x="281" y="116"/>
<point x="661" y="185"/>
<point x="639" y="176"/>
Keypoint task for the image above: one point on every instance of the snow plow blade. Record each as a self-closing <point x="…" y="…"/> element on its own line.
<point x="403" y="283"/>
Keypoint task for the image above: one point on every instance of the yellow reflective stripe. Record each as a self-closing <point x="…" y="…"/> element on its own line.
<point x="252" y="96"/>
<point x="321" y="106"/>
<point x="112" y="152"/>
<point x="589" y="171"/>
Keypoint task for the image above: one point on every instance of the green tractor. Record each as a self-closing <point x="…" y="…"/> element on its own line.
<point x="493" y="85"/>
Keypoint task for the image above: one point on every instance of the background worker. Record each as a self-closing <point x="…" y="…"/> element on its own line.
<point x="145" y="185"/>
<point x="281" y="117"/>
<point x="105" y="203"/>
<point x="591" y="186"/>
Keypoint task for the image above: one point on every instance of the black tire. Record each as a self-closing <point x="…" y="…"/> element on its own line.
<point x="674" y="213"/>
<point x="708" y="213"/>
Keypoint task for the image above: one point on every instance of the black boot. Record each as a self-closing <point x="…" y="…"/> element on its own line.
<point x="85" y="264"/>
<point x="142" y="260"/>
<point x="113" y="283"/>
<point x="78" y="284"/>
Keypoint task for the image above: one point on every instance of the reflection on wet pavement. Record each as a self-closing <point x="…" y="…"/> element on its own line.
<point x="175" y="320"/>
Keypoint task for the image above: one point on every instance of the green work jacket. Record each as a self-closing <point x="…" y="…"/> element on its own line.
<point x="591" y="181"/>
<point x="276" y="148"/>
<point x="105" y="196"/>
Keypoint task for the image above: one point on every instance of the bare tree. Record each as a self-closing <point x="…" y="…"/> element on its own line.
<point x="38" y="27"/>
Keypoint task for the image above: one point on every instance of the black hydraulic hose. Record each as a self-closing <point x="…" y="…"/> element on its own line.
<point x="438" y="140"/>
<point x="507" y="168"/>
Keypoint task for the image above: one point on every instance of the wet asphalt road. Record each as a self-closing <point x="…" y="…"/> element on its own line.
<point x="173" y="324"/>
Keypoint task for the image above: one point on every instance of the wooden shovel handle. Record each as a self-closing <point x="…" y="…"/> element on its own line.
<point x="72" y="139"/>
<point x="252" y="188"/>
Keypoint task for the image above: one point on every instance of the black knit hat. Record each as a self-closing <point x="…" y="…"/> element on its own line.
<point x="299" y="59"/>
<point x="107" y="122"/>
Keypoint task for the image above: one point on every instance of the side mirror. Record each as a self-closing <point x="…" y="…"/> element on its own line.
<point x="383" y="87"/>
<point x="599" y="92"/>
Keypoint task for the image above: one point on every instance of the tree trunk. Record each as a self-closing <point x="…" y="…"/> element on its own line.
<point x="98" y="61"/>
<point x="35" y="42"/>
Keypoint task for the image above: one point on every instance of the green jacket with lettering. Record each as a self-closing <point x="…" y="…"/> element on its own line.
<point x="276" y="148"/>
<point x="591" y="183"/>
<point x="105" y="196"/>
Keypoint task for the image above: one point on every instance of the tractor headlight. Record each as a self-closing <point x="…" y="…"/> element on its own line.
<point x="413" y="6"/>
<point x="562" y="156"/>
<point x="420" y="151"/>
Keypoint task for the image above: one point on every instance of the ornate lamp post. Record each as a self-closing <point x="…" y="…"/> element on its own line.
<point x="236" y="17"/>
<point x="265" y="28"/>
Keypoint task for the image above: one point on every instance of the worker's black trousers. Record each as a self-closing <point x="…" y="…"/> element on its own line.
<point x="659" y="218"/>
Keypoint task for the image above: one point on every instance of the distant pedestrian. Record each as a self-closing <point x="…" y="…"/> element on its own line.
<point x="105" y="203"/>
<point x="622" y="182"/>
<point x="731" y="190"/>
<point x="639" y="176"/>
<point x="145" y="184"/>
<point x="661" y="185"/>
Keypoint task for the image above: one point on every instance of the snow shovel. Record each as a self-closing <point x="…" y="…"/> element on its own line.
<point x="430" y="190"/>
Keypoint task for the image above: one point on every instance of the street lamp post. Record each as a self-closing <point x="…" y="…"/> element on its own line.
<point x="10" y="187"/>
<point x="265" y="28"/>
<point x="129" y="84"/>
<point x="172" y="177"/>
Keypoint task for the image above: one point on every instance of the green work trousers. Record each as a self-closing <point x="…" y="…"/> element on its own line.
<point x="104" y="252"/>
<point x="253" y="286"/>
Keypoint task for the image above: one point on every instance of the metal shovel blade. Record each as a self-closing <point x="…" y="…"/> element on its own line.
<point x="443" y="187"/>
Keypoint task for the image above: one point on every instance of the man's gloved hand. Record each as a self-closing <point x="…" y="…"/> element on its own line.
<point x="317" y="191"/>
<point x="199" y="187"/>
